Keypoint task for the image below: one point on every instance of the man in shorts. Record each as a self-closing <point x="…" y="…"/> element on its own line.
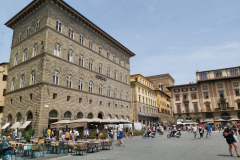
<point x="208" y="129"/>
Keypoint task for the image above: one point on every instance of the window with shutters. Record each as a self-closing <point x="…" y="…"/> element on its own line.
<point x="208" y="108"/>
<point x="177" y="98"/>
<point x="237" y="92"/>
<point x="195" y="107"/>
<point x="178" y="108"/>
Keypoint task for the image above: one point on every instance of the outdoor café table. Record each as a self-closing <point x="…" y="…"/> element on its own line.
<point x="103" y="142"/>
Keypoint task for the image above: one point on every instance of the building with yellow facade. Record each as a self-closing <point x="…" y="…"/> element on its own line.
<point x="3" y="84"/>
<point x="150" y="105"/>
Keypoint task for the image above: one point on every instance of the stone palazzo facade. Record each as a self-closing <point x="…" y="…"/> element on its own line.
<point x="62" y="66"/>
<point x="214" y="98"/>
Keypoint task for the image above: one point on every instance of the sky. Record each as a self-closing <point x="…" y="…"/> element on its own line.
<point x="178" y="37"/>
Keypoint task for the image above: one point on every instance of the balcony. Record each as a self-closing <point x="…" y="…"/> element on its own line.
<point x="185" y="100"/>
<point x="148" y="115"/>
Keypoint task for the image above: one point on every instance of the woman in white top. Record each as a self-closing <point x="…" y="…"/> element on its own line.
<point x="194" y="130"/>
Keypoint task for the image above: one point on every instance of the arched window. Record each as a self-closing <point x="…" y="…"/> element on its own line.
<point x="59" y="26"/>
<point x="32" y="80"/>
<point x="115" y="74"/>
<point x="90" y="44"/>
<point x="120" y="77"/>
<point x="109" y="92"/>
<point x="160" y="85"/>
<point x="125" y="64"/>
<point x="91" y="64"/>
<point x="108" y="54"/>
<point x="35" y="49"/>
<point x="70" y="33"/>
<point x="127" y="96"/>
<point x="16" y="60"/>
<point x="209" y="115"/>
<point x="114" y="58"/>
<point x="121" y="94"/>
<point x="28" y="31"/>
<point x="19" y="117"/>
<point x="122" y="117"/>
<point x="67" y="114"/>
<point x="116" y="117"/>
<point x="218" y="74"/>
<point x="70" y="55"/>
<point x="127" y="118"/>
<point x="100" y="89"/>
<point x="203" y="76"/>
<point x="79" y="115"/>
<point x="126" y="79"/>
<point x="29" y="116"/>
<point x="69" y="81"/>
<point x="13" y="84"/>
<point x="22" y="81"/>
<point x="233" y="72"/>
<point x="109" y="117"/>
<point x="100" y="68"/>
<point x="100" y="49"/>
<point x="55" y="77"/>
<point x="108" y="72"/>
<point x="19" y="37"/>
<point x="90" y="115"/>
<point x="81" y="38"/>
<point x="115" y="93"/>
<point x="225" y="116"/>
<point x="90" y="87"/>
<point x="57" y="50"/>
<point x="9" y="118"/>
<point x="120" y="61"/>
<point x="25" y="55"/>
<point x="81" y="60"/>
<point x="37" y="25"/>
<point x="53" y="114"/>
<point x="80" y="85"/>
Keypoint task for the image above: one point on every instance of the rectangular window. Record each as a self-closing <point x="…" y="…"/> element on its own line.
<point x="11" y="101"/>
<point x="90" y="101"/>
<point x="205" y="95"/>
<point x="204" y="87"/>
<point x="220" y="86"/>
<point x="193" y="89"/>
<point x="184" y="89"/>
<point x="68" y="98"/>
<point x="237" y="92"/>
<point x="108" y="104"/>
<point x="80" y="100"/>
<point x="178" y="108"/>
<point x="176" y="90"/>
<point x="31" y="96"/>
<point x="115" y="105"/>
<point x="1" y="109"/>
<point x="54" y="95"/>
<point x="177" y="98"/>
<point x="195" y="107"/>
<point x="139" y="98"/>
<point x="235" y="84"/>
<point x="100" y="103"/>
<point x="121" y="106"/>
<point x="138" y="90"/>
<point x="238" y="105"/>
<point x="194" y="96"/>
<point x="20" y="99"/>
<point x="221" y="94"/>
<point x="4" y="77"/>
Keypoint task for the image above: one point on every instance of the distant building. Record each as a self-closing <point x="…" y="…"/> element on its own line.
<point x="214" y="98"/>
<point x="3" y="84"/>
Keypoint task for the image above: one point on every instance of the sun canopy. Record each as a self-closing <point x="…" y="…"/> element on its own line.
<point x="15" y="125"/>
<point x="25" y="124"/>
<point x="60" y="124"/>
<point x="5" y="126"/>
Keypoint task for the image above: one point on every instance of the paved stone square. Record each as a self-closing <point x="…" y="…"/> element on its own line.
<point x="184" y="148"/>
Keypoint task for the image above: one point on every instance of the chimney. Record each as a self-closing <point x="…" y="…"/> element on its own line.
<point x="190" y="83"/>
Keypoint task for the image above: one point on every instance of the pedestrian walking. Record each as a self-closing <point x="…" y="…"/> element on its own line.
<point x="131" y="132"/>
<point x="238" y="128"/>
<point x="229" y="135"/>
<point x="201" y="132"/>
<point x="97" y="134"/>
<point x="67" y="134"/>
<point x="49" y="133"/>
<point x="7" y="149"/>
<point x="194" y="131"/>
<point x="120" y="137"/>
<point x="208" y="129"/>
<point x="63" y="135"/>
<point x="73" y="136"/>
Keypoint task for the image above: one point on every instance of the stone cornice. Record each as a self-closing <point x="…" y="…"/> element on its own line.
<point x="36" y="3"/>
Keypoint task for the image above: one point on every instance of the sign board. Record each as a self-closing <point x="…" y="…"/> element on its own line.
<point x="137" y="126"/>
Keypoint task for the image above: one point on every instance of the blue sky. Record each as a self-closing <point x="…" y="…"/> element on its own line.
<point x="168" y="36"/>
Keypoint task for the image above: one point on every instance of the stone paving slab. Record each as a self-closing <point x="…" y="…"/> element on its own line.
<point x="184" y="148"/>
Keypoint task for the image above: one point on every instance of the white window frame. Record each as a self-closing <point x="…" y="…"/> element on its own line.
<point x="37" y="26"/>
<point x="28" y="31"/>
<point x="13" y="84"/>
<point x="71" y="33"/>
<point x="90" y="44"/>
<point x="90" y="87"/>
<point x="35" y="49"/>
<point x="32" y="80"/>
<point x="90" y="64"/>
<point x="19" y="37"/>
<point x="81" y="39"/>
<point x="121" y="94"/>
<point x="100" y="68"/>
<point x="70" y="55"/>
<point x="100" y="89"/>
<point x="109" y="72"/>
<point x="114" y="58"/>
<point x="56" y="77"/>
<point x="80" y="85"/>
<point x="22" y="81"/>
<point x="59" y="26"/>
<point x="100" y="49"/>
<point x="69" y="81"/>
<point x="24" y="55"/>
<point x="16" y="59"/>
<point x="57" y="50"/>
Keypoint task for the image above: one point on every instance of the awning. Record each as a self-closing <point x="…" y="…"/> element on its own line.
<point x="179" y="122"/>
<point x="25" y="124"/>
<point x="15" y="125"/>
<point x="5" y="126"/>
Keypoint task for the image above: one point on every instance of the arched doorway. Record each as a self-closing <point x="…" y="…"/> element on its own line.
<point x="225" y="116"/>
<point x="53" y="117"/>
<point x="100" y="115"/>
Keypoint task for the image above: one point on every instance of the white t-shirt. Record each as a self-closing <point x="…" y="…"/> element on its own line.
<point x="194" y="129"/>
<point x="15" y="133"/>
